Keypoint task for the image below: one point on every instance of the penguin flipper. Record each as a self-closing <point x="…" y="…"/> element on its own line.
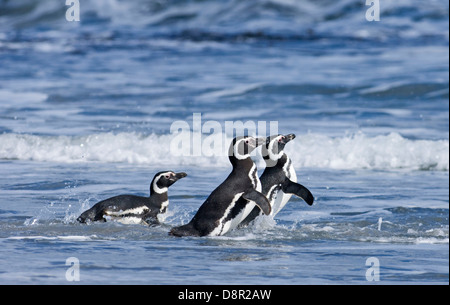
<point x="259" y="199"/>
<point x="290" y="187"/>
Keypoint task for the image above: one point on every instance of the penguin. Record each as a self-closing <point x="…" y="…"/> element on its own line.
<point x="234" y="199"/>
<point x="279" y="180"/>
<point x="135" y="209"/>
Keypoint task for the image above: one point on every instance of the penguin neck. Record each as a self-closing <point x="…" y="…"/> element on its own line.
<point x="242" y="165"/>
<point x="280" y="162"/>
<point x="159" y="196"/>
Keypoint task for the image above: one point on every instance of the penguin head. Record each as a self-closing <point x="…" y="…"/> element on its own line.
<point x="163" y="180"/>
<point x="242" y="147"/>
<point x="273" y="150"/>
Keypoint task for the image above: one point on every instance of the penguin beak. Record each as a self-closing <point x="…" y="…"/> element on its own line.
<point x="178" y="176"/>
<point x="287" y="138"/>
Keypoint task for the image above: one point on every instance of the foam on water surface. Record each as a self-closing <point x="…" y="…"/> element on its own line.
<point x="86" y="109"/>
<point x="358" y="151"/>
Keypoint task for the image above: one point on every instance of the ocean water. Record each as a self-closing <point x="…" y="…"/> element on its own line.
<point x="87" y="110"/>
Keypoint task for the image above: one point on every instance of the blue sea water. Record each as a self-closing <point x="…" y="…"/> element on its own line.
<point x="86" y="110"/>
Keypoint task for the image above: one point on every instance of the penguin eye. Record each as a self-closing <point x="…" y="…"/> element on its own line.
<point x="167" y="176"/>
<point x="246" y="141"/>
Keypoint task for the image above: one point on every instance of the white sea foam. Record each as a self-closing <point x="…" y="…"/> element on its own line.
<point x="21" y="98"/>
<point x="64" y="238"/>
<point x="358" y="151"/>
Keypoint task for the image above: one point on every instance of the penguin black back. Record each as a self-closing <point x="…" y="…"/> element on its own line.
<point x="135" y="208"/>
<point x="232" y="200"/>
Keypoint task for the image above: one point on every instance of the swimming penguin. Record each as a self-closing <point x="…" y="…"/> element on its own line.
<point x="279" y="180"/>
<point x="135" y="209"/>
<point x="234" y="199"/>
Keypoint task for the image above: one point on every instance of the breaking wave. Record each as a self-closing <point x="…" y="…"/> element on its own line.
<point x="359" y="151"/>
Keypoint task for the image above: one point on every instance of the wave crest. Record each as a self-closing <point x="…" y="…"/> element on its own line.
<point x="360" y="151"/>
<point x="385" y="152"/>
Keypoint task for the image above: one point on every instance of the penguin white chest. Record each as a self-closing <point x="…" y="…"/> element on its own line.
<point x="253" y="175"/>
<point x="223" y="225"/>
<point x="289" y="170"/>
<point x="282" y="198"/>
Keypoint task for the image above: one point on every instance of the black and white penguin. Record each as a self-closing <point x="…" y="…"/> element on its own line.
<point x="135" y="209"/>
<point x="234" y="199"/>
<point x="279" y="180"/>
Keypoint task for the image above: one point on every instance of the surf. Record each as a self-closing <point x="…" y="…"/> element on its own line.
<point x="312" y="150"/>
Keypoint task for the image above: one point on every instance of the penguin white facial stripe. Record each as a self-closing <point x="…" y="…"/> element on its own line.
<point x="155" y="186"/>
<point x="273" y="156"/>
<point x="236" y="151"/>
